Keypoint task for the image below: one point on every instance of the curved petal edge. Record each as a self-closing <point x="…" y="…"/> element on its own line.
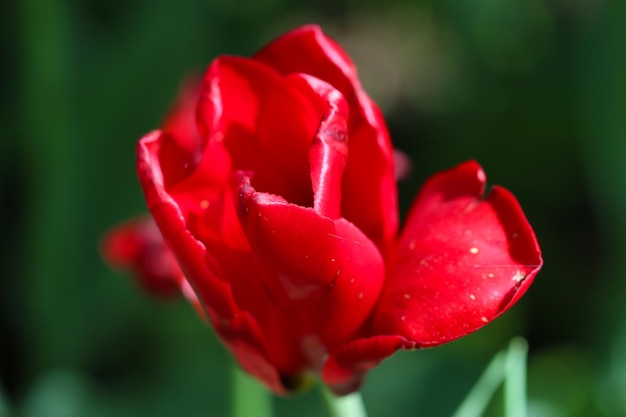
<point x="461" y="261"/>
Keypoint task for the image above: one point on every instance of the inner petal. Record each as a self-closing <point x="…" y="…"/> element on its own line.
<point x="266" y="123"/>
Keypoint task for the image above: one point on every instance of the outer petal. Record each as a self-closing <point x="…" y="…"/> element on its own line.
<point x="461" y="261"/>
<point x="369" y="191"/>
<point x="344" y="370"/>
<point x="324" y="274"/>
<point x="235" y="327"/>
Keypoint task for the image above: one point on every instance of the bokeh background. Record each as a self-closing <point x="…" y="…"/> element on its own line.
<point x="533" y="89"/>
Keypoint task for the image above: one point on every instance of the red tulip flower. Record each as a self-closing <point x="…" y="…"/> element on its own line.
<point x="283" y="215"/>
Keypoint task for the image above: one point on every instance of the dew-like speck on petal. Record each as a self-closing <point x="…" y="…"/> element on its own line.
<point x="519" y="276"/>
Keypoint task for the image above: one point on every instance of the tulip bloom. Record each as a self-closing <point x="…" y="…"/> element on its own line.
<point x="282" y="212"/>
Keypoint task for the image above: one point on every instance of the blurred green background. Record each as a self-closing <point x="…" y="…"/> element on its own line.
<point x="535" y="90"/>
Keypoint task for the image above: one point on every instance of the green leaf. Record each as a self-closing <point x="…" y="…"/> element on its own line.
<point x="508" y="367"/>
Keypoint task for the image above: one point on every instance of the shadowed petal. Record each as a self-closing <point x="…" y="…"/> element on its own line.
<point x="182" y="149"/>
<point x="180" y="120"/>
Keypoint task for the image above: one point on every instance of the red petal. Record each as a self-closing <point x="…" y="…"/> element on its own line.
<point x="308" y="50"/>
<point x="369" y="190"/>
<point x="180" y="121"/>
<point x="324" y="275"/>
<point x="370" y="193"/>
<point x="265" y="123"/>
<point x="344" y="370"/>
<point x="176" y="163"/>
<point x="181" y="150"/>
<point x="328" y="151"/>
<point x="236" y="327"/>
<point x="461" y="261"/>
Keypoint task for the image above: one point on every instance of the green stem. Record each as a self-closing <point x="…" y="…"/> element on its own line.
<point x="476" y="401"/>
<point x="248" y="397"/>
<point x="515" y="380"/>
<point x="347" y="406"/>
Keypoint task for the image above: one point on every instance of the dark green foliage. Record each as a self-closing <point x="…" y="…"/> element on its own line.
<point x="533" y="90"/>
